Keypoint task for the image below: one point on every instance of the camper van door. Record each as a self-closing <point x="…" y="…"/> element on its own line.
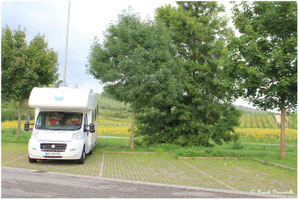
<point x="89" y="135"/>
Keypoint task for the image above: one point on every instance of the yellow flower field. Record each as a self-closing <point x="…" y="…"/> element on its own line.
<point x="13" y="124"/>
<point x="122" y="128"/>
<point x="105" y="127"/>
<point x="113" y="128"/>
<point x="266" y="135"/>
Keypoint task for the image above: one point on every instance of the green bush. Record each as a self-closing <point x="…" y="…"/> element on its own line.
<point x="12" y="114"/>
<point x="238" y="145"/>
<point x="188" y="127"/>
<point x="115" y="114"/>
<point x="111" y="104"/>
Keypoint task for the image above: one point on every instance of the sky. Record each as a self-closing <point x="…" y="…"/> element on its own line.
<point x="88" y="19"/>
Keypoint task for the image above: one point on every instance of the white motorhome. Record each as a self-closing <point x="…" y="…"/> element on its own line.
<point x="64" y="124"/>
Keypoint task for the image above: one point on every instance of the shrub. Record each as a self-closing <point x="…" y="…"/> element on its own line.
<point x="238" y="145"/>
<point x="12" y="114"/>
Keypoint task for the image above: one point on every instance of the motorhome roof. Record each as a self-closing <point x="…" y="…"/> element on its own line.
<point x="63" y="98"/>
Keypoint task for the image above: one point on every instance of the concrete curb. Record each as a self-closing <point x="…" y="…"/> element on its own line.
<point x="162" y="185"/>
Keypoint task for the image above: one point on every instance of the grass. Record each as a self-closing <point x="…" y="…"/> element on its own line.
<point x="155" y="168"/>
<point x="9" y="136"/>
<point x="257" y="175"/>
<point x="265" y="152"/>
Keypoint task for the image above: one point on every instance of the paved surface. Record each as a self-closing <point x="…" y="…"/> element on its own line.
<point x="24" y="183"/>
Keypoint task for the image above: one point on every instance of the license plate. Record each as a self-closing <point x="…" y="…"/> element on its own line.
<point x="52" y="154"/>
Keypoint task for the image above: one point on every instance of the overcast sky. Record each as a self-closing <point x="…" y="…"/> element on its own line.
<point x="88" y="19"/>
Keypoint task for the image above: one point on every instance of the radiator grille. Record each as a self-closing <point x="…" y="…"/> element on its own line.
<point x="52" y="147"/>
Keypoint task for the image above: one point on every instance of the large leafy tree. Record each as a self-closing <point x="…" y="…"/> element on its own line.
<point x="25" y="66"/>
<point x="138" y="64"/>
<point x="264" y="56"/>
<point x="204" y="115"/>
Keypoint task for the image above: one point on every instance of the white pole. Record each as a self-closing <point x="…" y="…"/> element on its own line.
<point x="66" y="44"/>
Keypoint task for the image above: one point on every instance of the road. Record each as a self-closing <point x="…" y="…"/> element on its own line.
<point x="24" y="183"/>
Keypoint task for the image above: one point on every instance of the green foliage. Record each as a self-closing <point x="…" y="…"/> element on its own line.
<point x="115" y="114"/>
<point x="292" y="121"/>
<point x="12" y="114"/>
<point x="264" y="57"/>
<point x="9" y="111"/>
<point x="137" y="63"/>
<point x="203" y="115"/>
<point x="25" y="66"/>
<point x="108" y="103"/>
<point x="238" y="145"/>
<point x="179" y="127"/>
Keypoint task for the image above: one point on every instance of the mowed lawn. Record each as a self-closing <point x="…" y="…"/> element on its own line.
<point x="242" y="174"/>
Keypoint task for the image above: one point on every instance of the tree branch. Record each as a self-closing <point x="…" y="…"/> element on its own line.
<point x="293" y="102"/>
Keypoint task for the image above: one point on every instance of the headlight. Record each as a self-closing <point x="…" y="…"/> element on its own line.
<point x="77" y="135"/>
<point x="34" y="134"/>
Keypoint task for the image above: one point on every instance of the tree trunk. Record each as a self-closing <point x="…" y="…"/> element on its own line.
<point x="19" y="118"/>
<point x="27" y="110"/>
<point x="282" y="136"/>
<point x="133" y="130"/>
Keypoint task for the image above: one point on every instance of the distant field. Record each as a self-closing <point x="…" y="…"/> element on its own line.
<point x="113" y="127"/>
<point x="115" y="120"/>
<point x="266" y="135"/>
<point x="267" y="121"/>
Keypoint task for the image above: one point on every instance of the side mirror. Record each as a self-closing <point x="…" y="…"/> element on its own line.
<point x="26" y="126"/>
<point x="91" y="128"/>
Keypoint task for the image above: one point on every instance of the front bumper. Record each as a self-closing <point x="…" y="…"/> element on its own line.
<point x="72" y="151"/>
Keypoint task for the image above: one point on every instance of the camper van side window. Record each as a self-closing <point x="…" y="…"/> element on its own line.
<point x="85" y="119"/>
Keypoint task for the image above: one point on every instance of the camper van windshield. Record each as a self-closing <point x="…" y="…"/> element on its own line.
<point x="59" y="121"/>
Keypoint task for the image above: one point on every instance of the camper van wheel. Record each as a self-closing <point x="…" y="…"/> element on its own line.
<point x="83" y="155"/>
<point x="31" y="160"/>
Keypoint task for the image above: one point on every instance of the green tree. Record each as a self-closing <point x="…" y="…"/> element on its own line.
<point x="264" y="56"/>
<point x="138" y="64"/>
<point x="204" y="115"/>
<point x="25" y="66"/>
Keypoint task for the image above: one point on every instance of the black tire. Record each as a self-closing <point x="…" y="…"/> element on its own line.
<point x="83" y="156"/>
<point x="31" y="160"/>
<point x="90" y="152"/>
